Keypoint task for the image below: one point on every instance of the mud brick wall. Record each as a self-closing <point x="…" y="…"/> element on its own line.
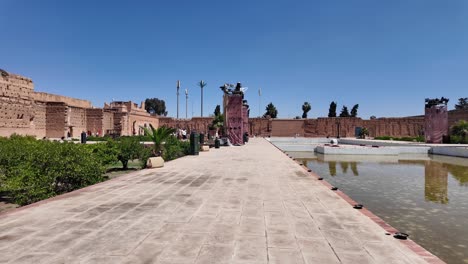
<point x="199" y="124"/>
<point x="322" y="127"/>
<point x="287" y="127"/>
<point x="46" y="97"/>
<point x="56" y="120"/>
<point x="76" y="118"/>
<point x="120" y="125"/>
<point x="39" y="122"/>
<point x="107" y="122"/>
<point x="260" y="127"/>
<point x="137" y="120"/>
<point x="94" y="118"/>
<point x="456" y="115"/>
<point x="16" y="105"/>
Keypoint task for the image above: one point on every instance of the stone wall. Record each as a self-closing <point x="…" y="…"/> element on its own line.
<point x="16" y="106"/>
<point x="322" y="127"/>
<point x="46" y="97"/>
<point x="287" y="127"/>
<point x="76" y="121"/>
<point x="199" y="124"/>
<point x="456" y="115"/>
<point x="138" y="120"/>
<point x="56" y="120"/>
<point x="39" y="123"/>
<point x="94" y="121"/>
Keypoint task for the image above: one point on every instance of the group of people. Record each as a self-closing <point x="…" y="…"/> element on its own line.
<point x="181" y="133"/>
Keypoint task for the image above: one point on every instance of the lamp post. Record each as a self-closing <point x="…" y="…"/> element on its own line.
<point x="178" y="87"/>
<point x="186" y="100"/>
<point x="202" y="84"/>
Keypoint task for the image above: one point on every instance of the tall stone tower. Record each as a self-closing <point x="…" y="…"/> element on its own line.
<point x="236" y="114"/>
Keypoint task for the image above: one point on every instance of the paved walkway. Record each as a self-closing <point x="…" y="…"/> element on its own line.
<point x="247" y="204"/>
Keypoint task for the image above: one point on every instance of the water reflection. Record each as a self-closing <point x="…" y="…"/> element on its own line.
<point x="425" y="196"/>
<point x="332" y="168"/>
<point x="435" y="182"/>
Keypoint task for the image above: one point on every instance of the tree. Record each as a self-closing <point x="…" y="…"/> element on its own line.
<point x="373" y="117"/>
<point x="271" y="111"/>
<point x="155" y="106"/>
<point x="462" y="103"/>
<point x="305" y="109"/>
<point x="354" y="110"/>
<point x="129" y="148"/>
<point x="202" y="85"/>
<point x="158" y="136"/>
<point x="344" y="112"/>
<point x="217" y="110"/>
<point x="218" y="120"/>
<point x="332" y="110"/>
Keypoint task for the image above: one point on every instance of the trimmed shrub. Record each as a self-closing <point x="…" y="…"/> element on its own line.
<point x="32" y="170"/>
<point x="174" y="148"/>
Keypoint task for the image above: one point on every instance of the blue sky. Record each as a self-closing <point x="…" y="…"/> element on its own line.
<point x="385" y="55"/>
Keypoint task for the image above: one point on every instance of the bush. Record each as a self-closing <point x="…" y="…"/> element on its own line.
<point x="174" y="148"/>
<point x="32" y="170"/>
<point x="459" y="132"/>
<point x="106" y="152"/>
<point x="129" y="148"/>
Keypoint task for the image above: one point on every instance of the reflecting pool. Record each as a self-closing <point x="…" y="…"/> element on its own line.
<point x="424" y="196"/>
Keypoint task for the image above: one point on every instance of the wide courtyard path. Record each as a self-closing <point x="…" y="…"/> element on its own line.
<point x="249" y="204"/>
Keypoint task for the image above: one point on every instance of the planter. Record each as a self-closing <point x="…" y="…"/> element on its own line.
<point x="155" y="162"/>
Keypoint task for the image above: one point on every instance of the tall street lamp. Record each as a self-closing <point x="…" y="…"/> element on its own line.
<point x="186" y="100"/>
<point x="202" y="84"/>
<point x="178" y="87"/>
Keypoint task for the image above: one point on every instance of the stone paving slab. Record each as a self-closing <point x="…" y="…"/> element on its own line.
<point x="248" y="204"/>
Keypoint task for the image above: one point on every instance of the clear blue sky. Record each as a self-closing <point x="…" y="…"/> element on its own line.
<point x="385" y="55"/>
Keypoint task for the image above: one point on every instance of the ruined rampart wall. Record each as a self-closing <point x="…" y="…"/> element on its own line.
<point x="322" y="127"/>
<point x="456" y="115"/>
<point x="76" y="121"/>
<point x="16" y="106"/>
<point x="46" y="97"/>
<point x="56" y="120"/>
<point x="199" y="124"/>
<point x="138" y="120"/>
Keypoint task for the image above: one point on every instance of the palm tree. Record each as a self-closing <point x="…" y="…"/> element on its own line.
<point x="158" y="136"/>
<point x="202" y="84"/>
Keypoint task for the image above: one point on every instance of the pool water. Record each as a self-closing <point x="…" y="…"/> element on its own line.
<point x="424" y="196"/>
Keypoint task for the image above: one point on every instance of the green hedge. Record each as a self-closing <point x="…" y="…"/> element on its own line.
<point x="32" y="170"/>
<point x="174" y="148"/>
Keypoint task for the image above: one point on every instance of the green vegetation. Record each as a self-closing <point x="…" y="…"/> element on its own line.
<point x="271" y="111"/>
<point x="158" y="136"/>
<point x="462" y="103"/>
<point x="344" y="111"/>
<point x="305" y="109"/>
<point x="332" y="110"/>
<point x="32" y="170"/>
<point x="155" y="106"/>
<point x="354" y="110"/>
<point x="417" y="139"/>
<point x="364" y="132"/>
<point x="459" y="133"/>
<point x="174" y="148"/>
